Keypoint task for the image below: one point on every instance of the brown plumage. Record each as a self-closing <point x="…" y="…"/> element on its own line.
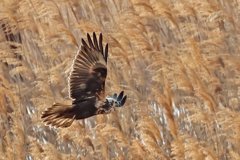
<point x="86" y="87"/>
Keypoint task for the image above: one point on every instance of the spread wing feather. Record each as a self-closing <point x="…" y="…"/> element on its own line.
<point x="106" y="52"/>
<point x="89" y="70"/>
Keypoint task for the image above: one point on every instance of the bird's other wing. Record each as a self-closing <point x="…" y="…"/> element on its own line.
<point x="119" y="100"/>
<point x="89" y="70"/>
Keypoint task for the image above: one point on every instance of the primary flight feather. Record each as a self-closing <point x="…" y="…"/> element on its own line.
<point x="86" y="87"/>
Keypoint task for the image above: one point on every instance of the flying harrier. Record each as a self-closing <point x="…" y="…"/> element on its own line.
<point x="86" y="87"/>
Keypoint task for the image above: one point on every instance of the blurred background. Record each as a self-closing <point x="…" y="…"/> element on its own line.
<point x="177" y="60"/>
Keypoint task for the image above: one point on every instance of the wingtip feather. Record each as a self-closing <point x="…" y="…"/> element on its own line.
<point x="95" y="41"/>
<point x="106" y="52"/>
<point x="100" y="43"/>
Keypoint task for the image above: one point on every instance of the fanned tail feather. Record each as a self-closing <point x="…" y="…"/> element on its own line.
<point x="59" y="115"/>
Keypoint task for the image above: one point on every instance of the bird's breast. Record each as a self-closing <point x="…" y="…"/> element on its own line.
<point x="103" y="111"/>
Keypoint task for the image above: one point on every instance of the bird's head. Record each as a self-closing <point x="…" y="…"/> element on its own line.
<point x="113" y="102"/>
<point x="116" y="101"/>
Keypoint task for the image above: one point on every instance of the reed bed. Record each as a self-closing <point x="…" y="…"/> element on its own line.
<point x="177" y="60"/>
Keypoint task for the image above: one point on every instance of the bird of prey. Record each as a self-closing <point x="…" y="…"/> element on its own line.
<point x="86" y="87"/>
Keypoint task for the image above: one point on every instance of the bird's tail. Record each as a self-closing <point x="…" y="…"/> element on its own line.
<point x="59" y="115"/>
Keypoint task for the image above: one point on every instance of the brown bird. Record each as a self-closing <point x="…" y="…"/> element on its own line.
<point x="86" y="87"/>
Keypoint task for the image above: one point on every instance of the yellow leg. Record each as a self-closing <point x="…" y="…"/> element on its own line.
<point x="67" y="124"/>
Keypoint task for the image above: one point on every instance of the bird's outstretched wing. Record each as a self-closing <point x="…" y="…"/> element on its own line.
<point x="89" y="70"/>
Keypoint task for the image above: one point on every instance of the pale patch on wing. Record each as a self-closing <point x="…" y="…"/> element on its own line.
<point x="83" y="86"/>
<point x="99" y="103"/>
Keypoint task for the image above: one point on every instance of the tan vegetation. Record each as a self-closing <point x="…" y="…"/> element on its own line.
<point x="177" y="60"/>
